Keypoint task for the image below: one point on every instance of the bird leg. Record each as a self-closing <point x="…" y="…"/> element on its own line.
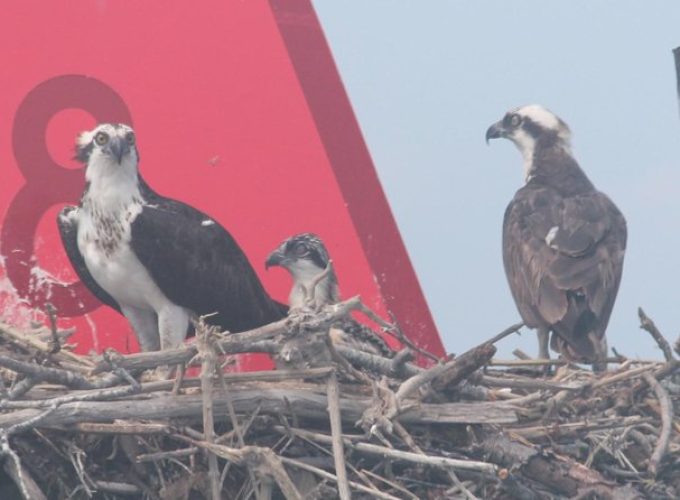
<point x="543" y="347"/>
<point x="145" y="325"/>
<point x="600" y="348"/>
<point x="543" y="342"/>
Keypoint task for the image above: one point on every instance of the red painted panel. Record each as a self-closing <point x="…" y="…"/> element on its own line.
<point x="238" y="110"/>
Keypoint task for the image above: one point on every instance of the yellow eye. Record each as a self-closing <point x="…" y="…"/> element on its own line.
<point x="515" y="120"/>
<point x="101" y="138"/>
<point x="130" y="137"/>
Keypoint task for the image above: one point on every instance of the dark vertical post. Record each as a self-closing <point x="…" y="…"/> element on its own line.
<point x="676" y="55"/>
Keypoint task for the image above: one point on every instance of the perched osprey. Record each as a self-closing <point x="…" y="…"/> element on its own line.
<point x="155" y="260"/>
<point x="305" y="257"/>
<point x="563" y="240"/>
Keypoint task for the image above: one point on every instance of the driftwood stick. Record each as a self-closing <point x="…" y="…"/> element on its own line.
<point x="561" y="475"/>
<point x="666" y="423"/>
<point x="508" y="331"/>
<point x="19" y="389"/>
<point x="573" y="428"/>
<point x="378" y="364"/>
<point x="334" y="478"/>
<point x="449" y="373"/>
<point x="121" y="427"/>
<point x="54" y="375"/>
<point x="549" y="362"/>
<point x="464" y="365"/>
<point x="235" y="343"/>
<point x="264" y="460"/>
<point x="31" y="343"/>
<point x="407" y="456"/>
<point x="117" y="488"/>
<point x="20" y="476"/>
<point x="648" y="325"/>
<point x="208" y="356"/>
<point x="395" y="332"/>
<point x="524" y="383"/>
<point x="165" y="455"/>
<point x="336" y="431"/>
<point x="54" y="344"/>
<point x="271" y="401"/>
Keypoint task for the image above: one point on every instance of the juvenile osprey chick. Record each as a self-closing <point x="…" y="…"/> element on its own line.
<point x="155" y="260"/>
<point x="305" y="257"/>
<point x="563" y="240"/>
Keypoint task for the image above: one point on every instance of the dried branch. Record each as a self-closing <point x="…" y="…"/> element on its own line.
<point x="206" y="352"/>
<point x="336" y="430"/>
<point x="648" y="325"/>
<point x="666" y="423"/>
<point x="373" y="449"/>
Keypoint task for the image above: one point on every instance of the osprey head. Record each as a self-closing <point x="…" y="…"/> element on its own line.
<point x="111" y="143"/>
<point x="303" y="253"/>
<point x="528" y="125"/>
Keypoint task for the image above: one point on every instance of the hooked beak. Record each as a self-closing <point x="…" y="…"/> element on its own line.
<point x="495" y="131"/>
<point x="275" y="258"/>
<point x="118" y="147"/>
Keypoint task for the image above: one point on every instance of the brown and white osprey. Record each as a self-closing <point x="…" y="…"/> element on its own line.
<point x="156" y="260"/>
<point x="305" y="257"/>
<point x="563" y="240"/>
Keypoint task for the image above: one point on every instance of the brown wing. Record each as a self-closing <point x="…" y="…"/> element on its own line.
<point x="563" y="257"/>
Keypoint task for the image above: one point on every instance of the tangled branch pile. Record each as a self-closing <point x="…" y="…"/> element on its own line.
<point x="331" y="422"/>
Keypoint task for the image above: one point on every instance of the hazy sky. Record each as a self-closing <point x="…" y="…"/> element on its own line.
<point x="426" y="79"/>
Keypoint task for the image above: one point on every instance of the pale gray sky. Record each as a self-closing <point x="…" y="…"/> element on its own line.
<point x="426" y="79"/>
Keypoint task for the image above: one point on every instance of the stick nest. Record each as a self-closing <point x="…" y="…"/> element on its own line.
<point x="331" y="422"/>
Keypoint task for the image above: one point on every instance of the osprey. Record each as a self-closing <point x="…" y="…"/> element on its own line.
<point x="305" y="257"/>
<point x="563" y="240"/>
<point x="156" y="260"/>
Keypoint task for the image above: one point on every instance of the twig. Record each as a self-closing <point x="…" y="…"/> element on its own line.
<point x="508" y="331"/>
<point x="260" y="458"/>
<point x="206" y="352"/>
<point x="54" y="375"/>
<point x="20" y="476"/>
<point x="647" y="324"/>
<point x="310" y="291"/>
<point x="373" y="449"/>
<point x="378" y="364"/>
<point x="547" y="362"/>
<point x="235" y="343"/>
<point x="393" y="330"/>
<point x="666" y="423"/>
<point x="117" y="488"/>
<point x="30" y="342"/>
<point x="336" y="431"/>
<point x="237" y="430"/>
<point x="334" y="478"/>
<point x="524" y="383"/>
<point x="391" y="484"/>
<point x="54" y="344"/>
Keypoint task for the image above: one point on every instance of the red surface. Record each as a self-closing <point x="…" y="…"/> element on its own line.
<point x="238" y="110"/>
